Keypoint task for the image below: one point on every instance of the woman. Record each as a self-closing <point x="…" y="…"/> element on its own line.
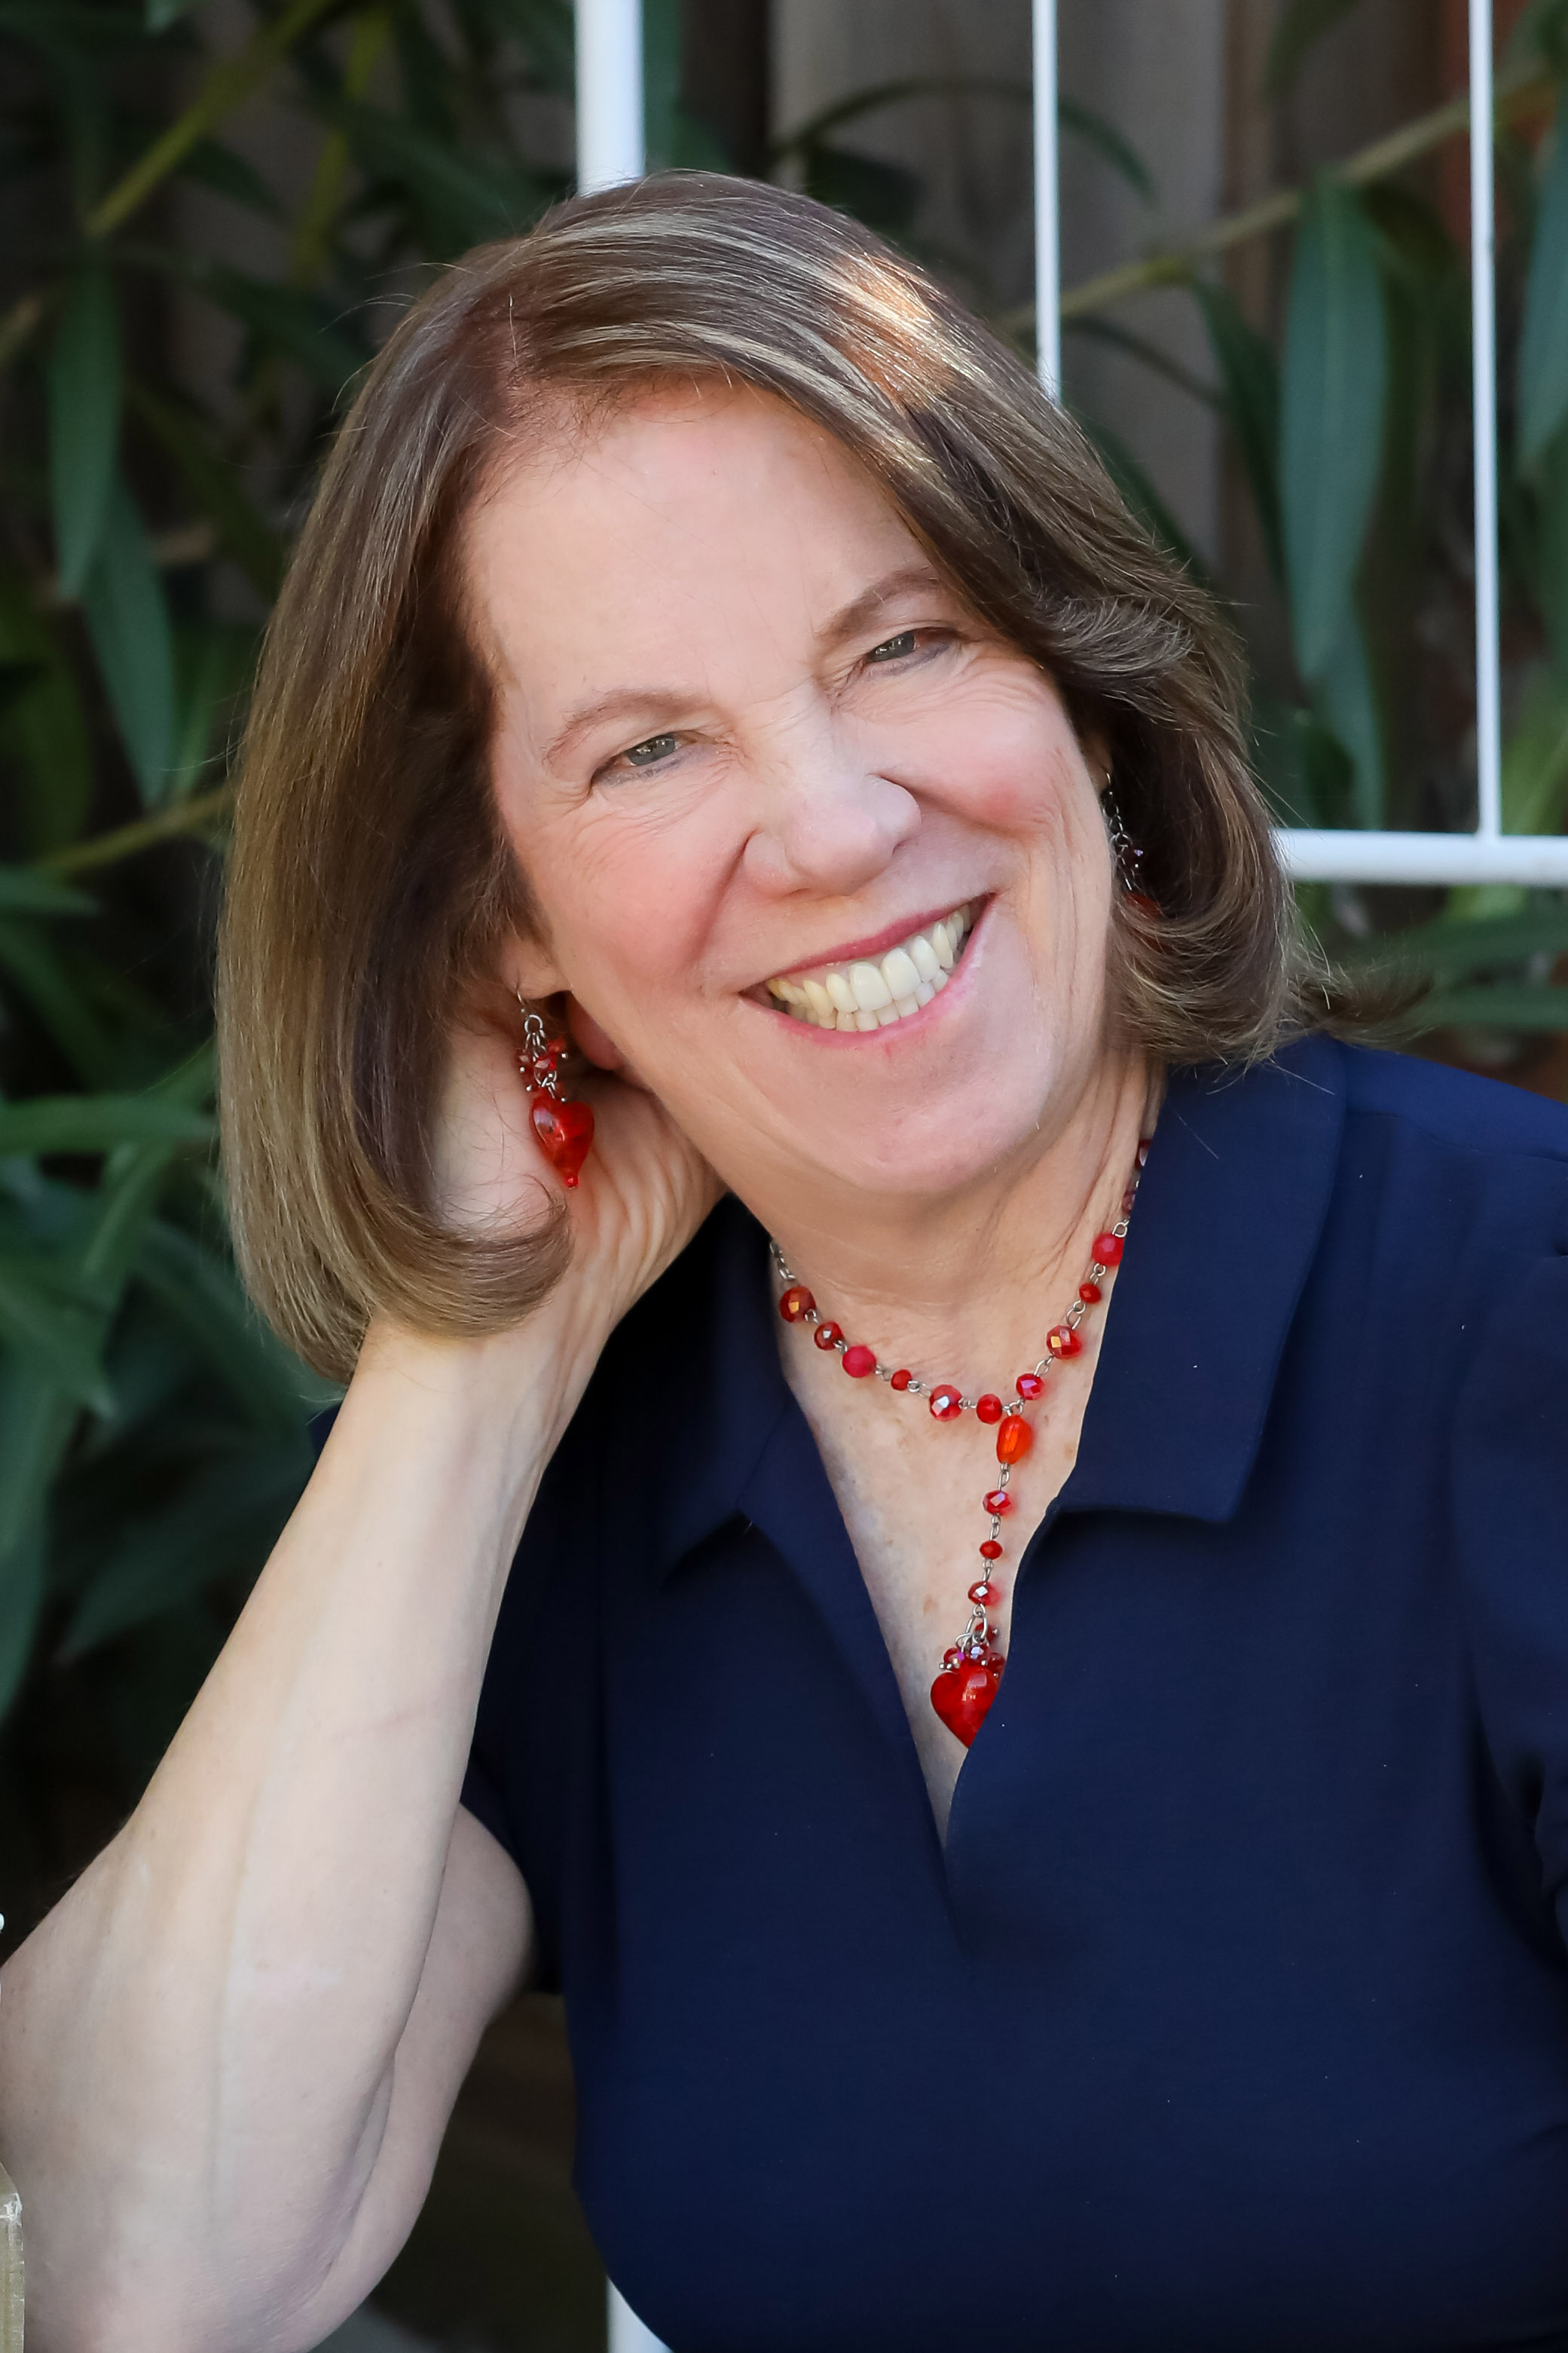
<point x="708" y="637"/>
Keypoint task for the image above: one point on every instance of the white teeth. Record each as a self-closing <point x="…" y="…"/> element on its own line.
<point x="871" y="991"/>
<point x="866" y="996"/>
<point x="899" y="971"/>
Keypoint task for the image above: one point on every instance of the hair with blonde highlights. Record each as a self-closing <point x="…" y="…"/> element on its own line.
<point x="371" y="887"/>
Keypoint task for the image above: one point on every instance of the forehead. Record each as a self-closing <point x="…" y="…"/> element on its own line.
<point x="689" y="499"/>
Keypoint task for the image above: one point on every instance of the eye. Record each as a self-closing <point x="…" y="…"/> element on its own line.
<point x="892" y="650"/>
<point x="650" y="751"/>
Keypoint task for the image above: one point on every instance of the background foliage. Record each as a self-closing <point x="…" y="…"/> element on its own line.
<point x="151" y="1434"/>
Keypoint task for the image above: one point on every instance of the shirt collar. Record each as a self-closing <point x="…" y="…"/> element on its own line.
<point x="1229" y="1214"/>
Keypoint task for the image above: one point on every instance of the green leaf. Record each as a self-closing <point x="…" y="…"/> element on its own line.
<point x="885" y="196"/>
<point x="1250" y="382"/>
<point x="213" y="485"/>
<point x="1136" y="486"/>
<point x="23" y="893"/>
<point x="1540" y="36"/>
<point x="1552" y="550"/>
<point x="466" y="196"/>
<point x="162" y="14"/>
<point x="36" y="1424"/>
<point x="1303" y="24"/>
<point x="212" y="667"/>
<point x="45" y="1319"/>
<point x="128" y="622"/>
<point x="1108" y="144"/>
<point x="203" y="1297"/>
<point x="84" y="421"/>
<point x="21" y="1605"/>
<point x="1332" y="403"/>
<point x="97" y="1124"/>
<point x="661" y="64"/>
<point x="1450" y="946"/>
<point x="1535" y="759"/>
<point x="224" y="1520"/>
<point x="291" y="321"/>
<point x="229" y="174"/>
<point x="33" y="963"/>
<point x="42" y="728"/>
<point x="1535" y="1006"/>
<point x="1543" y="338"/>
<point x="1347" y="701"/>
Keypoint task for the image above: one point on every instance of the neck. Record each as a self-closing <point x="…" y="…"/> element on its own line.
<point x="957" y="1285"/>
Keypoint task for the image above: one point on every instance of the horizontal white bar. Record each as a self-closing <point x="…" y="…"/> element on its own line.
<point x="1443" y="858"/>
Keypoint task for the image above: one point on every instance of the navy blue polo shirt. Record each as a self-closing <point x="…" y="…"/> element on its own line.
<point x="1235" y="2014"/>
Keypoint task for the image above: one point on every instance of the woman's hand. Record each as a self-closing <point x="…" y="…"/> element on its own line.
<point x="644" y="1189"/>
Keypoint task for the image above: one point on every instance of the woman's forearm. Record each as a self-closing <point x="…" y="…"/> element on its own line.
<point x="196" y="2046"/>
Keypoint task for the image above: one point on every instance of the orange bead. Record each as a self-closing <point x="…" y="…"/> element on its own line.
<point x="1014" y="1438"/>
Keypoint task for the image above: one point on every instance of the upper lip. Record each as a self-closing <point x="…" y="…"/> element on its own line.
<point x="875" y="944"/>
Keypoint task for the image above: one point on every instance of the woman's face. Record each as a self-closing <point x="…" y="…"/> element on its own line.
<point x="816" y="852"/>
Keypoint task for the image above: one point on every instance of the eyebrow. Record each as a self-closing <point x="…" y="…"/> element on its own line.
<point x="643" y="703"/>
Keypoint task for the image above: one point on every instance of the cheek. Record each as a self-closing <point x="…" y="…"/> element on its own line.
<point x="1006" y="759"/>
<point x="626" y="908"/>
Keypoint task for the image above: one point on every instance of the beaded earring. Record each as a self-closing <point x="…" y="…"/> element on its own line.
<point x="564" y="1129"/>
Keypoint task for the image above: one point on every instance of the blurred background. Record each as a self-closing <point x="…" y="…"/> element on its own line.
<point x="210" y="217"/>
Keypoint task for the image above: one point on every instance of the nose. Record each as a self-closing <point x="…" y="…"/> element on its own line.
<point x="829" y="824"/>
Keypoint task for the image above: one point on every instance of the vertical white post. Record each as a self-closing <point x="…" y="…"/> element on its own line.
<point x="1048" y="213"/>
<point x="610" y="145"/>
<point x="1483" y="367"/>
<point x="627" y="2334"/>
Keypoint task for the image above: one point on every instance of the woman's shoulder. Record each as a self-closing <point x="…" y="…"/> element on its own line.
<point x="1456" y="1111"/>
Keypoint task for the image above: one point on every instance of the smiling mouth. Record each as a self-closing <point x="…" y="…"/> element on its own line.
<point x="875" y="994"/>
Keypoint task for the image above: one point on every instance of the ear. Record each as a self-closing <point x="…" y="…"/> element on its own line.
<point x="530" y="970"/>
<point x="597" y="1044"/>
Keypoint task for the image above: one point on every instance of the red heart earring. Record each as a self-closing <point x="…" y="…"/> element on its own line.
<point x="565" y="1129"/>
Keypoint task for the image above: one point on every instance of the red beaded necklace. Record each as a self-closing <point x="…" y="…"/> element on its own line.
<point x="972" y="1669"/>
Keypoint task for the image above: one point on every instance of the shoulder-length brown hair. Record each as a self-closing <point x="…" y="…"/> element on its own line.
<point x="370" y="888"/>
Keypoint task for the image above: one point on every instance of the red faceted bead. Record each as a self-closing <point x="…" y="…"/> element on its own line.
<point x="1030" y="1385"/>
<point x="983" y="1591"/>
<point x="859" y="1362"/>
<point x="946" y="1402"/>
<point x="795" y="1303"/>
<point x="901" y="1378"/>
<point x="1014" y="1438"/>
<point x="997" y="1502"/>
<point x="1063" y="1341"/>
<point x="1108" y="1249"/>
<point x="827" y="1336"/>
<point x="1089" y="1292"/>
<point x="988" y="1407"/>
<point x="989" y="1550"/>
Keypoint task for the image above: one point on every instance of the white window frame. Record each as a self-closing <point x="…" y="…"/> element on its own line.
<point x="610" y="149"/>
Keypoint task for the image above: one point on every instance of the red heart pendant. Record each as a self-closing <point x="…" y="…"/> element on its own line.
<point x="565" y="1131"/>
<point x="962" y="1696"/>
